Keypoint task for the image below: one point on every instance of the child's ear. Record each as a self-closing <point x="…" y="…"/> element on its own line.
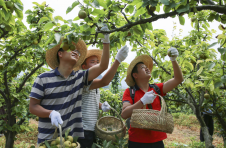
<point x="135" y="75"/>
<point x="83" y="66"/>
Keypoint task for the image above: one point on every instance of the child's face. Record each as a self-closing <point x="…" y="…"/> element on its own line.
<point x="90" y="61"/>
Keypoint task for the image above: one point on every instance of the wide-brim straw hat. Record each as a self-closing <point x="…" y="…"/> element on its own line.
<point x="146" y="59"/>
<point x="91" y="52"/>
<point x="51" y="54"/>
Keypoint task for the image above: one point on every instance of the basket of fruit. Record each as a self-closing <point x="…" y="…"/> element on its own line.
<point x="60" y="142"/>
<point x="107" y="127"/>
<point x="153" y="119"/>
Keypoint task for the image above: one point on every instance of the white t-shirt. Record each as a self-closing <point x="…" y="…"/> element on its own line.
<point x="90" y="108"/>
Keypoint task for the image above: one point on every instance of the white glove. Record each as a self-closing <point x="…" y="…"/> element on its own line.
<point x="105" y="107"/>
<point x="148" y="97"/>
<point x="122" y="53"/>
<point x="55" y="118"/>
<point x="106" y="38"/>
<point x="174" y="53"/>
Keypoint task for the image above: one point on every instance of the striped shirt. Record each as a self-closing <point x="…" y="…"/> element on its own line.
<point x="90" y="108"/>
<point x="63" y="95"/>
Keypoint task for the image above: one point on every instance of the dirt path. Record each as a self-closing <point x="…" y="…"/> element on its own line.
<point x="183" y="135"/>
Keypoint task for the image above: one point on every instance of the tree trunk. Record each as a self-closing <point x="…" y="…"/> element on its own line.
<point x="9" y="139"/>
<point x="205" y="131"/>
<point x="224" y="138"/>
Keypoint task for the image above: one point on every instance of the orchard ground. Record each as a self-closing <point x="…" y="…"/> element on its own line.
<point x="186" y="131"/>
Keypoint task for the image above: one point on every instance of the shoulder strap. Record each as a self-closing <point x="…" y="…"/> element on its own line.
<point x="156" y="88"/>
<point x="132" y="92"/>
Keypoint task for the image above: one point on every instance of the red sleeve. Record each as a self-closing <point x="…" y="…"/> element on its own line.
<point x="126" y="97"/>
<point x="160" y="85"/>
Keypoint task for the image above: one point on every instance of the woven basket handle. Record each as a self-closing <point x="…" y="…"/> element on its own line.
<point x="118" y="116"/>
<point x="163" y="107"/>
<point x="61" y="137"/>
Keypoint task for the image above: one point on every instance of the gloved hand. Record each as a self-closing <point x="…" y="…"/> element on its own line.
<point x="122" y="53"/>
<point x="106" y="38"/>
<point x="55" y="118"/>
<point x="148" y="97"/>
<point x="105" y="107"/>
<point x="173" y="53"/>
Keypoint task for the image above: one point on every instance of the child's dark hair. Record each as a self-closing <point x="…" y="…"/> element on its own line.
<point x="58" y="60"/>
<point x="135" y="70"/>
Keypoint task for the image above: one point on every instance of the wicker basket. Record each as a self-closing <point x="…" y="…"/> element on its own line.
<point x="55" y="136"/>
<point x="153" y="119"/>
<point x="112" y="123"/>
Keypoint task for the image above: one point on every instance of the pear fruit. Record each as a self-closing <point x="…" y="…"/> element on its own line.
<point x="70" y="138"/>
<point x="193" y="19"/>
<point x="152" y="8"/>
<point x="35" y="41"/>
<point x="58" y="140"/>
<point x="1" y="66"/>
<point x="53" y="143"/>
<point x="41" y="147"/>
<point x="65" y="47"/>
<point x="72" y="47"/>
<point x="82" y="14"/>
<point x="67" y="143"/>
<point x="206" y="96"/>
<point x="74" y="145"/>
<point x="37" y="118"/>
<point x="129" y="34"/>
<point x="9" y="4"/>
<point x="104" y="129"/>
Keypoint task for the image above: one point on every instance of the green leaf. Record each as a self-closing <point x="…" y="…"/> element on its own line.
<point x="213" y="44"/>
<point x="2" y="3"/>
<point x="200" y="70"/>
<point x="50" y="40"/>
<point x="72" y="7"/>
<point x="165" y="2"/>
<point x="182" y="20"/>
<point x="97" y="12"/>
<point x="211" y="17"/>
<point x="137" y="30"/>
<point x="19" y="6"/>
<point x="75" y="139"/>
<point x="19" y="14"/>
<point x="221" y="50"/>
<point x="43" y="19"/>
<point x="141" y="11"/>
<point x="100" y="35"/>
<point x="95" y="4"/>
<point x="47" y="144"/>
<point x="130" y="9"/>
<point x="211" y="65"/>
<point x="102" y="3"/>
<point x="218" y="84"/>
<point x="57" y="37"/>
<point x="76" y="18"/>
<point x="58" y="18"/>
<point x="183" y="8"/>
<point x="37" y="4"/>
<point x="189" y="65"/>
<point x="223" y="78"/>
<point x="48" y="26"/>
<point x="11" y="20"/>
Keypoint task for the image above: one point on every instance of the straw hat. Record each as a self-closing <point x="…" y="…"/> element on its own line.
<point x="146" y="59"/>
<point x="91" y="52"/>
<point x="51" y="54"/>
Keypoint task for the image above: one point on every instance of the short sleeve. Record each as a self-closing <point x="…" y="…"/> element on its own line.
<point x="126" y="97"/>
<point x="37" y="90"/>
<point x="160" y="85"/>
<point x="87" y="83"/>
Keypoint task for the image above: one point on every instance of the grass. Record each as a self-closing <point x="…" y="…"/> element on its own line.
<point x="185" y="134"/>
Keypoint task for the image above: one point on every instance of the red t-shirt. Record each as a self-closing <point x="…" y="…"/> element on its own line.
<point x="142" y="135"/>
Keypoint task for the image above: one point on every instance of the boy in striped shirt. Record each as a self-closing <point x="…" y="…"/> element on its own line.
<point x="91" y="98"/>
<point x="56" y="95"/>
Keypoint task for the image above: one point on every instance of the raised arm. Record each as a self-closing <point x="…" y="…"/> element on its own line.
<point x="121" y="55"/>
<point x="178" y="77"/>
<point x="96" y="70"/>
